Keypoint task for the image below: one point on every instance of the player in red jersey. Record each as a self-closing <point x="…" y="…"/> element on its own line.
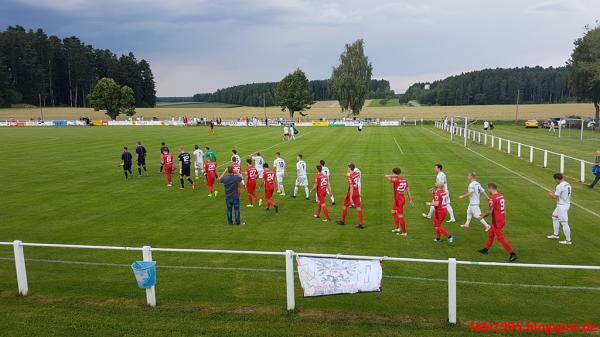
<point x="352" y="197"/>
<point x="269" y="183"/>
<point x="210" y="172"/>
<point x="440" y="212"/>
<point x="251" y="176"/>
<point x="166" y="162"/>
<point x="400" y="188"/>
<point x="498" y="212"/>
<point x="321" y="185"/>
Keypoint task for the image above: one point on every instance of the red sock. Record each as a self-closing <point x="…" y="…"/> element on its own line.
<point x="326" y="212"/>
<point x="437" y="233"/>
<point x="443" y="231"/>
<point x="344" y="213"/>
<point x="396" y="221"/>
<point x="249" y="199"/>
<point x="318" y="210"/>
<point x="402" y="224"/>
<point x="360" y="217"/>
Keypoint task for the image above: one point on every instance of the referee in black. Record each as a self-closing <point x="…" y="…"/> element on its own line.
<point x="185" y="167"/>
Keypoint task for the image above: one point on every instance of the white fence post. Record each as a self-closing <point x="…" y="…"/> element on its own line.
<point x="562" y="163"/>
<point x="452" y="290"/>
<point x="499" y="144"/>
<point x="531" y="154"/>
<point x="545" y="158"/>
<point x="582" y="171"/>
<point x="479" y="137"/>
<point x="519" y="150"/>
<point x="485" y="139"/>
<point x="493" y="141"/>
<point x="150" y="292"/>
<point x="289" y="280"/>
<point x="508" y="142"/>
<point x="20" y="267"/>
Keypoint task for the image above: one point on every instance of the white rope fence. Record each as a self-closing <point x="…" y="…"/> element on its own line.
<point x="509" y="146"/>
<point x="23" y="288"/>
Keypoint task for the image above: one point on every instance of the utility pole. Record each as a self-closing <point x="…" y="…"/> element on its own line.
<point x="517" y="111"/>
<point x="265" y="108"/>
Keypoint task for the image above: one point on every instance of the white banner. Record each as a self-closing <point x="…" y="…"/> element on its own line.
<point x="389" y="123"/>
<point x="322" y="276"/>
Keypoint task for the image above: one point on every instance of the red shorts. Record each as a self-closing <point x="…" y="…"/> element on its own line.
<point x="355" y="199"/>
<point x="251" y="187"/>
<point x="269" y="192"/>
<point x="321" y="196"/>
<point x="439" y="216"/>
<point x="210" y="179"/>
<point x="399" y="205"/>
<point x="169" y="168"/>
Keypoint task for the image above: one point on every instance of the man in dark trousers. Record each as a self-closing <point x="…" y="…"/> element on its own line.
<point x="232" y="181"/>
<point x="140" y="150"/>
<point x="596" y="170"/>
<point x="126" y="160"/>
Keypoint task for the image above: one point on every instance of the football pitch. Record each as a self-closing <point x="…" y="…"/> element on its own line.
<point x="64" y="185"/>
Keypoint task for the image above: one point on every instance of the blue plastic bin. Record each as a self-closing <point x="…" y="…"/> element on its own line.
<point x="145" y="273"/>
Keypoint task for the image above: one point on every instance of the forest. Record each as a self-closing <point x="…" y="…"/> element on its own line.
<point x="495" y="86"/>
<point x="252" y="94"/>
<point x="35" y="67"/>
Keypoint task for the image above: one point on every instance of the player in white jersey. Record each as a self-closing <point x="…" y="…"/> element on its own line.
<point x="560" y="216"/>
<point x="235" y="156"/>
<point x="325" y="171"/>
<point x="441" y="179"/>
<point x="292" y="132"/>
<point x="258" y="163"/>
<point x="279" y="166"/>
<point x="473" y="211"/>
<point x="286" y="133"/>
<point x="198" y="161"/>
<point x="301" y="178"/>
<point x="359" y="178"/>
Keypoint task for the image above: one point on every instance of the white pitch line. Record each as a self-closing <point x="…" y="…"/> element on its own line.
<point x="398" y="145"/>
<point x="274" y="270"/>
<point x="521" y="176"/>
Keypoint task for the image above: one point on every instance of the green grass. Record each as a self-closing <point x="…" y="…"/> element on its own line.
<point x="63" y="185"/>
<point x="378" y="103"/>
<point x="194" y="105"/>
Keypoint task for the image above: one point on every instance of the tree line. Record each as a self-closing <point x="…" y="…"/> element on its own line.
<point x="495" y="86"/>
<point x="253" y="94"/>
<point x="62" y="72"/>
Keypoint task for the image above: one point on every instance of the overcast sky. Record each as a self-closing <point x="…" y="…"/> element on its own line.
<point x="201" y="45"/>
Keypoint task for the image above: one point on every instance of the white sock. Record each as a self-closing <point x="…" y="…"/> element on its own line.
<point x="431" y="211"/>
<point x="483" y="222"/>
<point x="332" y="199"/>
<point x="196" y="172"/>
<point x="450" y="212"/>
<point x="469" y="217"/>
<point x="295" y="190"/>
<point x="556" y="225"/>
<point x="307" y="192"/>
<point x="566" y="230"/>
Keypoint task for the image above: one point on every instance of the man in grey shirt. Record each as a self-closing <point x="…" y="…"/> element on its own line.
<point x="596" y="170"/>
<point x="232" y="182"/>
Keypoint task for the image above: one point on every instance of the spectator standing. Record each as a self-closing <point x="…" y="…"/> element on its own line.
<point x="231" y="182"/>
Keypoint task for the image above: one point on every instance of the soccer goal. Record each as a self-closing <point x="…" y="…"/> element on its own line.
<point x="578" y="128"/>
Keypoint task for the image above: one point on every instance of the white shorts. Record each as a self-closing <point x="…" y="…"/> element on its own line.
<point x="260" y="174"/>
<point x="561" y="212"/>
<point x="280" y="177"/>
<point x="474" y="210"/>
<point x="302" y="181"/>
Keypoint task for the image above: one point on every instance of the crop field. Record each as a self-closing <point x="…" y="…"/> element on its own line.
<point x="64" y="185"/>
<point x="324" y="109"/>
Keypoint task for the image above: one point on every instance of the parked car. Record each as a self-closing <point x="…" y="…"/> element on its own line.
<point x="553" y="120"/>
<point x="532" y="123"/>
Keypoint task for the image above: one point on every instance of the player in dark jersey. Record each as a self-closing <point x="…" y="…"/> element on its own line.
<point x="163" y="147"/>
<point x="126" y="160"/>
<point x="185" y="167"/>
<point x="141" y="158"/>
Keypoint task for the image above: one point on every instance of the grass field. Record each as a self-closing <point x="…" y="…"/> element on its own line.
<point x="63" y="185"/>
<point x="325" y="109"/>
<point x="378" y="103"/>
<point x="202" y="105"/>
